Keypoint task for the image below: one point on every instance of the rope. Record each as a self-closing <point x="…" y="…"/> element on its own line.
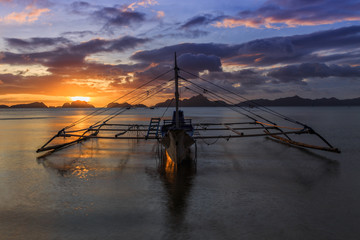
<point x="244" y="110"/>
<point x="225" y="105"/>
<point x="104" y="108"/>
<point x="137" y="101"/>
<point x="167" y="108"/>
<point x="266" y="109"/>
<point x="226" y="100"/>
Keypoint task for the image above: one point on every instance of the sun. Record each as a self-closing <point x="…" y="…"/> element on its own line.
<point x="86" y="99"/>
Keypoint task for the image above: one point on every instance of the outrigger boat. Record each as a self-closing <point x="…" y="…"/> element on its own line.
<point x="178" y="135"/>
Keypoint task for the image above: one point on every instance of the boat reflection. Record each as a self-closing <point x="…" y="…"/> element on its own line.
<point x="178" y="181"/>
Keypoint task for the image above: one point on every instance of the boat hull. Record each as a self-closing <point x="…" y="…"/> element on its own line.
<point x="177" y="143"/>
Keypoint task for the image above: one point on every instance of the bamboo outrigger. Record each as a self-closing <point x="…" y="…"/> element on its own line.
<point x="179" y="134"/>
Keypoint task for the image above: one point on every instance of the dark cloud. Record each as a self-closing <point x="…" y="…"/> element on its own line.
<point x="198" y="21"/>
<point x="199" y="62"/>
<point x="195" y="33"/>
<point x="166" y="54"/>
<point x="341" y="47"/>
<point x="126" y="42"/>
<point x="346" y="37"/>
<point x="33" y="43"/>
<point x="80" y="7"/>
<point x="290" y="13"/>
<point x="79" y="34"/>
<point x="296" y="73"/>
<point x="194" y="27"/>
<point x="148" y="73"/>
<point x="243" y="78"/>
<point x="116" y="17"/>
<point x="73" y="55"/>
<point x="102" y="45"/>
<point x="189" y="34"/>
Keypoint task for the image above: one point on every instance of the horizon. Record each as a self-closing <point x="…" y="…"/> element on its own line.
<point x="259" y="49"/>
<point x="181" y="99"/>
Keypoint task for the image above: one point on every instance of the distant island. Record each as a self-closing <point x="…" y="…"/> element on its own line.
<point x="77" y="104"/>
<point x="125" y="105"/>
<point x="30" y="105"/>
<point x="202" y="101"/>
<point x="298" y="101"/>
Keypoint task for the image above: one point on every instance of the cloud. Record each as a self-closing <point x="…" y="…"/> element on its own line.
<point x="30" y="14"/>
<point x="126" y="42"/>
<point x="160" y="14"/>
<point x="70" y="55"/>
<point x="166" y="54"/>
<point x="297" y="73"/>
<point x="194" y="27"/>
<point x="199" y="62"/>
<point x="118" y="17"/>
<point x="292" y="13"/>
<point x="243" y="78"/>
<point x="142" y="3"/>
<point x="340" y="46"/>
<point x="200" y="21"/>
<point x="33" y="43"/>
<point x="79" y="34"/>
<point x="80" y="7"/>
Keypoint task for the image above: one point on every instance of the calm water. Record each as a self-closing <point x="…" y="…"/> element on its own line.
<point x="241" y="189"/>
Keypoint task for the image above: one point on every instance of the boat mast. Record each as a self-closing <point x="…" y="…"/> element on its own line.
<point x="176" y="69"/>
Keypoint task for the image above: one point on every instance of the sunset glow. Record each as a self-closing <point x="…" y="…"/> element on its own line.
<point x="77" y="98"/>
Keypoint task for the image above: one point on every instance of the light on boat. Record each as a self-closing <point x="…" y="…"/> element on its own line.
<point x="170" y="166"/>
<point x="86" y="99"/>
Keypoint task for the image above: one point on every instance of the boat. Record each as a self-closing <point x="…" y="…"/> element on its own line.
<point x="178" y="135"/>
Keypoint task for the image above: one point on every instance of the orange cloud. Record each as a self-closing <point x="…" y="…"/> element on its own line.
<point x="160" y="14"/>
<point x="147" y="2"/>
<point x="30" y="14"/>
<point x="270" y="22"/>
<point x="233" y="23"/>
<point x="143" y="3"/>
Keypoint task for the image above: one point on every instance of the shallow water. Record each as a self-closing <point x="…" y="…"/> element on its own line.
<point x="250" y="188"/>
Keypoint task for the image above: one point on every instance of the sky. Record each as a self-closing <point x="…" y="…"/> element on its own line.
<point x="51" y="51"/>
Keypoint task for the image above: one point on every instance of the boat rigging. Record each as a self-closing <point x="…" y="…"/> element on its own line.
<point x="178" y="135"/>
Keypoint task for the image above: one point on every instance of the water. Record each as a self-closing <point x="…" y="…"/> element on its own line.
<point x="241" y="189"/>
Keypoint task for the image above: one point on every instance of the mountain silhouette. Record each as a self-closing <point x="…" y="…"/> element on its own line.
<point x="202" y="101"/>
<point x="30" y="105"/>
<point x="195" y="101"/>
<point x="77" y="104"/>
<point x="125" y="105"/>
